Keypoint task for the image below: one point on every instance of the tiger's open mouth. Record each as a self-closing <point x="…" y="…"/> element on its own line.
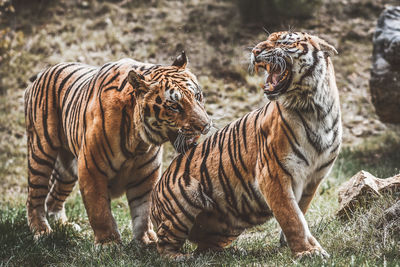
<point x="191" y="140"/>
<point x="277" y="80"/>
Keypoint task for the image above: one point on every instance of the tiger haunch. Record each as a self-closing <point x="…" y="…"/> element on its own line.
<point x="268" y="163"/>
<point x="104" y="127"/>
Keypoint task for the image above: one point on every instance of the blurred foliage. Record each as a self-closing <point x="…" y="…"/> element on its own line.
<point x="16" y="17"/>
<point x="276" y="12"/>
<point x="11" y="43"/>
<point x="10" y="40"/>
<point x="6" y="7"/>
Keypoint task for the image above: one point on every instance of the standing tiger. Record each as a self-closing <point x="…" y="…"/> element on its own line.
<point x="104" y="127"/>
<point x="268" y="163"/>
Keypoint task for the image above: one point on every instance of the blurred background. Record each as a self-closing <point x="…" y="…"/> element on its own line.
<point x="217" y="36"/>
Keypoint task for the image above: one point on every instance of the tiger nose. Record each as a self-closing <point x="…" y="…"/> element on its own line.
<point x="256" y="51"/>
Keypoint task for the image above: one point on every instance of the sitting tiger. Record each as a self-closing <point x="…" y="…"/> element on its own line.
<point x="267" y="163"/>
<point x="104" y="128"/>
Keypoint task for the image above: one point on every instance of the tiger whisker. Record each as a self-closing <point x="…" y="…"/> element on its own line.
<point x="216" y="128"/>
<point x="250" y="69"/>
<point x="181" y="143"/>
<point x="184" y="145"/>
<point x="266" y="31"/>
<point x="291" y="58"/>
<point x="177" y="141"/>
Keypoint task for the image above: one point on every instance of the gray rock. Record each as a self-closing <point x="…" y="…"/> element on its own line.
<point x="362" y="189"/>
<point x="385" y="73"/>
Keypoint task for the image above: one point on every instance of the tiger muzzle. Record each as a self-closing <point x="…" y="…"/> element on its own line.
<point x="278" y="74"/>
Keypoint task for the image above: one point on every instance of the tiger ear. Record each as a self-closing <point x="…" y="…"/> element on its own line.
<point x="181" y="61"/>
<point x="322" y="45"/>
<point x="138" y="82"/>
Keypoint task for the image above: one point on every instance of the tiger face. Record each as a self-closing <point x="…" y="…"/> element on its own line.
<point x="293" y="63"/>
<point x="172" y="105"/>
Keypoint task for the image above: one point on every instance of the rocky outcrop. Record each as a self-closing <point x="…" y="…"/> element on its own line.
<point x="362" y="189"/>
<point x="385" y="73"/>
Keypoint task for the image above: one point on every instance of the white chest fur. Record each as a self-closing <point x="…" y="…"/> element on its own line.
<point x="318" y="140"/>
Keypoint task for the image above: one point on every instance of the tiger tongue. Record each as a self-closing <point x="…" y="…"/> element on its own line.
<point x="273" y="78"/>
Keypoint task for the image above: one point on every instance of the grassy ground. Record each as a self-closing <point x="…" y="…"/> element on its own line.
<point x="360" y="241"/>
<point x="211" y="33"/>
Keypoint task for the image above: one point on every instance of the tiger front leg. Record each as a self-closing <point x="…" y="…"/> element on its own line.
<point x="138" y="193"/>
<point x="93" y="186"/>
<point x="281" y="200"/>
<point x="306" y="196"/>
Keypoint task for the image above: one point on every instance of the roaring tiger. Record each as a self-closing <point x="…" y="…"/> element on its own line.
<point x="104" y="127"/>
<point x="267" y="163"/>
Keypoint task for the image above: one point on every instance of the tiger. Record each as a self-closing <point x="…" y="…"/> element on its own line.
<point x="104" y="127"/>
<point x="269" y="163"/>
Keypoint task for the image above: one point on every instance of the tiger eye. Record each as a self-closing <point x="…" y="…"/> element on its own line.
<point x="175" y="106"/>
<point x="198" y="96"/>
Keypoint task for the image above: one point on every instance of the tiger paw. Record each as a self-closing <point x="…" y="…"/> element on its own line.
<point x="107" y="240"/>
<point x="40" y="229"/>
<point x="60" y="218"/>
<point x="57" y="216"/>
<point x="149" y="237"/>
<point x="315" y="251"/>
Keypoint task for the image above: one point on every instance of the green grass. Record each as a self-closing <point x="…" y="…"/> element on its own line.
<point x="359" y="241"/>
<point x="151" y="32"/>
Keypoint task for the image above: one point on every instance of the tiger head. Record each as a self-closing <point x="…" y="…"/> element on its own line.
<point x="295" y="63"/>
<point x="171" y="104"/>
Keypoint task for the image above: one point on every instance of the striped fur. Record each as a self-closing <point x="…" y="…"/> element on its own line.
<point x="104" y="128"/>
<point x="267" y="163"/>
